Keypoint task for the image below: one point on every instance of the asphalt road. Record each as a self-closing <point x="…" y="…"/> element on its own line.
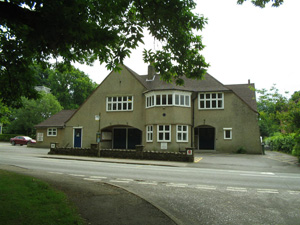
<point x="188" y="194"/>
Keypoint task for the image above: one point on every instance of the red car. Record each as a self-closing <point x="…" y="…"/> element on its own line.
<point x="22" y="140"/>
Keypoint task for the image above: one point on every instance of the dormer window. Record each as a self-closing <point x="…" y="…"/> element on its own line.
<point x="175" y="98"/>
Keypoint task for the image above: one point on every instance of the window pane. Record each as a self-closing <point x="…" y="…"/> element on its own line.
<point x="176" y="99"/>
<point x="187" y="100"/>
<point x="167" y="136"/>
<point x="220" y="95"/>
<point x="119" y="106"/>
<point x="125" y="99"/>
<point x="124" y="106"/>
<point x="129" y="105"/>
<point x="164" y="99"/>
<point x="109" y="106"/>
<point x="179" y="128"/>
<point x="109" y="99"/>
<point x="170" y="99"/>
<point x="167" y="127"/>
<point x="207" y="104"/>
<point x="157" y="99"/>
<point x="161" y="136"/>
<point x="202" y="104"/>
<point x="207" y="96"/>
<point x="228" y="133"/>
<point x="214" y="95"/>
<point x="160" y="128"/>
<point x="184" y="128"/>
<point x="184" y="137"/>
<point x="114" y="99"/>
<point x="114" y="106"/>
<point x="220" y="104"/>
<point x="130" y="98"/>
<point x="181" y="99"/>
<point x="201" y="96"/>
<point x="119" y="99"/>
<point x="214" y="104"/>
<point x="179" y="137"/>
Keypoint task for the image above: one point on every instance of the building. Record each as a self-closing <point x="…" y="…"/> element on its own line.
<point x="128" y="109"/>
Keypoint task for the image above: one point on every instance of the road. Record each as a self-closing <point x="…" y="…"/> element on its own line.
<point x="190" y="195"/>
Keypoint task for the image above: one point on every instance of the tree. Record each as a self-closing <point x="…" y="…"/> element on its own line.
<point x="70" y="86"/>
<point x="262" y="3"/>
<point x="32" y="113"/>
<point x="86" y="30"/>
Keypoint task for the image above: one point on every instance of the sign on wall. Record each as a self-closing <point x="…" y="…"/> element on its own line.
<point x="163" y="145"/>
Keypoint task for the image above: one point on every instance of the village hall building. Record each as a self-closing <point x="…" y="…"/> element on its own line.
<point x="128" y="109"/>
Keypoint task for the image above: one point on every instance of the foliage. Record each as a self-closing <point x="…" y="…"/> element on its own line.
<point x="262" y="3"/>
<point x="26" y="200"/>
<point x="4" y="113"/>
<point x="86" y="30"/>
<point x="296" y="149"/>
<point x="32" y="113"/>
<point x="282" y="142"/>
<point x="70" y="86"/>
<point x="270" y="105"/>
<point x="241" y="150"/>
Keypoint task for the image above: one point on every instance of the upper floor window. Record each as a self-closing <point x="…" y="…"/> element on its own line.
<point x="211" y="101"/>
<point x="120" y="103"/>
<point x="168" y="99"/>
<point x="52" y="132"/>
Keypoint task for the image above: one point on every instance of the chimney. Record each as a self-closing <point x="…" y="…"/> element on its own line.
<point x="151" y="73"/>
<point x="248" y="81"/>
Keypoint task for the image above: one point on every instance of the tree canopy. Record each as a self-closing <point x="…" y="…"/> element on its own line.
<point x="86" y="30"/>
<point x="262" y="3"/>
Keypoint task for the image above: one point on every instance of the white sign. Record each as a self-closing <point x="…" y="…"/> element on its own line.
<point x="164" y="146"/>
<point x="52" y="145"/>
<point x="97" y="117"/>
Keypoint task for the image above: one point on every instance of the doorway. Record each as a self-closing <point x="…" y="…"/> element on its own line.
<point x="77" y="137"/>
<point x="126" y="138"/>
<point x="205" y="137"/>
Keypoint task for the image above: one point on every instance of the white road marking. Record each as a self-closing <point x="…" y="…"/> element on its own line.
<point x="294" y="192"/>
<point x="238" y="189"/>
<point x="119" y="181"/>
<point x="270" y="191"/>
<point x="97" y="177"/>
<point x="206" y="187"/>
<point x="147" y="183"/>
<point x="176" y="185"/>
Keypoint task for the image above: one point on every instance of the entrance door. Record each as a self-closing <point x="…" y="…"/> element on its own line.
<point x="120" y="138"/>
<point x="126" y="138"/>
<point x="77" y="137"/>
<point x="134" y="138"/>
<point x="206" y="138"/>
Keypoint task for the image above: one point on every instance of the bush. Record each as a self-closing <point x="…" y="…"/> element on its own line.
<point x="296" y="149"/>
<point x="7" y="137"/>
<point x="282" y="142"/>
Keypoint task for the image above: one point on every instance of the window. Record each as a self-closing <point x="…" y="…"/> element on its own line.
<point x="52" y="132"/>
<point x="149" y="133"/>
<point x="182" y="133"/>
<point x="164" y="133"/>
<point x="227" y="133"/>
<point x="211" y="101"/>
<point x="122" y="103"/>
<point x="168" y="99"/>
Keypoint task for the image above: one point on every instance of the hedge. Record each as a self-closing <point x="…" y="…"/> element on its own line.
<point x="7" y="137"/>
<point x="282" y="142"/>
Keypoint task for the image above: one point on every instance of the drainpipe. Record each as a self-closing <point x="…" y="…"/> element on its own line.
<point x="194" y="97"/>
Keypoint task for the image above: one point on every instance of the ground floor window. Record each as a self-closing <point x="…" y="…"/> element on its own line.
<point x="227" y="133"/>
<point x="149" y="133"/>
<point x="181" y="133"/>
<point x="164" y="133"/>
<point x="52" y="132"/>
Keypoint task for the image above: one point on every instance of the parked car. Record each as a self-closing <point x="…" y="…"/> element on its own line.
<point x="22" y="140"/>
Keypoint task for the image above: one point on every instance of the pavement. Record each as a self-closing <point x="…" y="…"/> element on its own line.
<point x="103" y="203"/>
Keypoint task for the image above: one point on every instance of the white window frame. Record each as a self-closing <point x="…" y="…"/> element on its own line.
<point x="207" y="99"/>
<point x="119" y="101"/>
<point x="180" y="133"/>
<point x="168" y="98"/>
<point x="149" y="133"/>
<point x="52" y="132"/>
<point x="225" y="130"/>
<point x="164" y="132"/>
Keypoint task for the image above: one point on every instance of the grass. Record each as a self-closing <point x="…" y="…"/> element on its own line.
<point x="26" y="200"/>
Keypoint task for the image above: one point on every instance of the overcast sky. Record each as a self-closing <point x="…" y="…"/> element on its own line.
<point x="242" y="42"/>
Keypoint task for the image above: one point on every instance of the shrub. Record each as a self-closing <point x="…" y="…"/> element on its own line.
<point x="282" y="142"/>
<point x="296" y="149"/>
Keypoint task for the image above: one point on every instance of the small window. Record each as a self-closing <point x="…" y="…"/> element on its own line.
<point x="52" y="132"/>
<point x="122" y="103"/>
<point x="149" y="133"/>
<point x="227" y="133"/>
<point x="182" y="133"/>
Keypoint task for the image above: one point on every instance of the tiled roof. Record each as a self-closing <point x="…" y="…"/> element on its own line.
<point x="57" y="120"/>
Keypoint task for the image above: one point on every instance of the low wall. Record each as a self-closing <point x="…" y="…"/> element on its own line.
<point x="125" y="154"/>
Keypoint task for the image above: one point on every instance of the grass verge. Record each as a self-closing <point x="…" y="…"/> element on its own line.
<point x="26" y="200"/>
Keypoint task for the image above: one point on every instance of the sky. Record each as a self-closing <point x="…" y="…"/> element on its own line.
<point x="242" y="42"/>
